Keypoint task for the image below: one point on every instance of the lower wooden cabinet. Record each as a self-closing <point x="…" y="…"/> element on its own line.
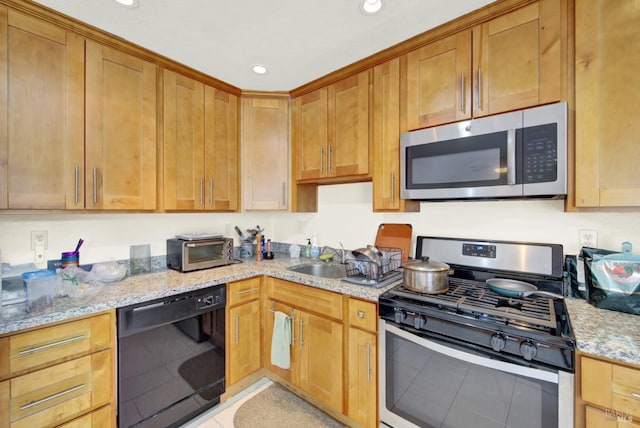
<point x="58" y="374"/>
<point x="362" y="360"/>
<point x="243" y="332"/>
<point x="610" y="392"/>
<point x="317" y="339"/>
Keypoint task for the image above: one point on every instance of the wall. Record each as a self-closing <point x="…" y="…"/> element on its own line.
<point x="344" y="215"/>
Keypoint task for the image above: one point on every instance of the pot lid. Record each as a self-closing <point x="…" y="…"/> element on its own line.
<point x="427" y="265"/>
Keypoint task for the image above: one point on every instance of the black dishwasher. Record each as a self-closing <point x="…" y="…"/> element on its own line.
<point x="171" y="358"/>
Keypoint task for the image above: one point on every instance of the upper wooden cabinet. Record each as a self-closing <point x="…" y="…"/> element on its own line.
<point x="41" y="114"/>
<point x="385" y="131"/>
<point x="607" y="101"/>
<point x="200" y="146"/>
<point x="265" y="152"/>
<point x="507" y="63"/>
<point x="120" y="130"/>
<point x="331" y="131"/>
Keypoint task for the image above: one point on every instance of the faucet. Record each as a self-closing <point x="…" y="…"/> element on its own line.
<point x="340" y="254"/>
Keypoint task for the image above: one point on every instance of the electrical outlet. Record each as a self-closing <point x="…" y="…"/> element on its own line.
<point x="39" y="238"/>
<point x="588" y="238"/>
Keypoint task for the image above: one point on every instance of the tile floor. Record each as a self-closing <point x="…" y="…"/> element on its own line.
<point x="221" y="416"/>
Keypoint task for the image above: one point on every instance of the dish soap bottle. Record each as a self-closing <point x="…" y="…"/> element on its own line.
<point x="315" y="250"/>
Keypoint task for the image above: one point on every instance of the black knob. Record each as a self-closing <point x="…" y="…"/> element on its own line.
<point x="498" y="342"/>
<point x="419" y="322"/>
<point x="400" y="316"/>
<point x="528" y="350"/>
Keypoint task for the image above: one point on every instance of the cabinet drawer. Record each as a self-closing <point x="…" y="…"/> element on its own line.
<point x="363" y="315"/>
<point x="610" y="385"/>
<point x="243" y="291"/>
<point x="103" y="417"/>
<point x="58" y="343"/>
<point x="312" y="299"/>
<point x="61" y="392"/>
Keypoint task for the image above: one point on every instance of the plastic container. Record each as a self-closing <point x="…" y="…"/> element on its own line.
<point x="315" y="250"/>
<point x="40" y="288"/>
<point x="70" y="258"/>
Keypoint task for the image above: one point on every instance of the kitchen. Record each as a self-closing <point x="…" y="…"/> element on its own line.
<point x="544" y="221"/>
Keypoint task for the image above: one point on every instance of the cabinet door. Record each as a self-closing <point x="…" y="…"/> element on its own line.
<point x="348" y="126"/>
<point x="183" y="124"/>
<point x="221" y="150"/>
<point x="439" y="82"/>
<point x="41" y="114"/>
<point x="310" y="135"/>
<point x="320" y="346"/>
<point x="362" y="375"/>
<point x="607" y="86"/>
<point x="292" y="374"/>
<point x="120" y="130"/>
<point x="386" y="139"/>
<point x="265" y="153"/>
<point x="518" y="59"/>
<point x="596" y="418"/>
<point x="244" y="345"/>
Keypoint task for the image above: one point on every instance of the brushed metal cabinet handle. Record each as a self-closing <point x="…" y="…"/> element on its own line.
<point x="237" y="334"/>
<point x="76" y="174"/>
<point x="95" y="186"/>
<point x="284" y="194"/>
<point x="52" y="345"/>
<point x="368" y="362"/>
<point x="239" y="293"/>
<point x="301" y="339"/>
<point x="293" y="325"/>
<point x="51" y="397"/>
<point x="329" y="159"/>
<point x="393" y="187"/>
<point x="479" y="89"/>
<point x="321" y="160"/>
<point x="511" y="156"/>
<point x="635" y="395"/>
<point x="462" y="104"/>
<point x="211" y="192"/>
<point x="201" y="191"/>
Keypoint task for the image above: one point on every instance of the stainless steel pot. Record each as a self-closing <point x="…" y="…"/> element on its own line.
<point x="425" y="276"/>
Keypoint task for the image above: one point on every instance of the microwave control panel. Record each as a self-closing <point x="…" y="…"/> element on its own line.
<point x="540" y="157"/>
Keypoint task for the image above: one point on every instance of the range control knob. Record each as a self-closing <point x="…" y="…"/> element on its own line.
<point x="399" y="316"/>
<point x="498" y="342"/>
<point x="419" y="322"/>
<point x="528" y="350"/>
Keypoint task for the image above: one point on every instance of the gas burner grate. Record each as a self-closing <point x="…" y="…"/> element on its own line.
<point x="473" y="297"/>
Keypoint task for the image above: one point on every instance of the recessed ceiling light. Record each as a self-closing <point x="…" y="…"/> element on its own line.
<point x="128" y="3"/>
<point x="369" y="7"/>
<point x="259" y="69"/>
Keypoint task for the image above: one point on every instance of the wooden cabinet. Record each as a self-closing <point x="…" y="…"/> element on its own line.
<point x="265" y="152"/>
<point x="362" y="373"/>
<point x="610" y="391"/>
<point x="221" y="149"/>
<point x="607" y="85"/>
<point x="506" y="63"/>
<point x="120" y="130"/>
<point x="316" y="346"/>
<point x="243" y="334"/>
<point x="58" y="374"/>
<point x="41" y="114"/>
<point x="331" y="131"/>
<point x="385" y="132"/>
<point x="200" y="146"/>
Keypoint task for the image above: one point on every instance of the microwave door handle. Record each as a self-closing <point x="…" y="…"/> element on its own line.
<point x="511" y="157"/>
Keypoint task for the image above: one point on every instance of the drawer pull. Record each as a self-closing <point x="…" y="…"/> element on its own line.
<point x="239" y="293"/>
<point x="51" y="397"/>
<point x="51" y="345"/>
<point x="360" y="314"/>
<point x="635" y="395"/>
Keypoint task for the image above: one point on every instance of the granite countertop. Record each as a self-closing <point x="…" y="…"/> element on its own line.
<point x="598" y="332"/>
<point x="140" y="288"/>
<point x="605" y="333"/>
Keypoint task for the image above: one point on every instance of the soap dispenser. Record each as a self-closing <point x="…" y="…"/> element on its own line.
<point x="315" y="250"/>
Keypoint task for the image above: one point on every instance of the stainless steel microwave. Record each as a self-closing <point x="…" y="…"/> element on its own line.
<point x="186" y="255"/>
<point x="517" y="154"/>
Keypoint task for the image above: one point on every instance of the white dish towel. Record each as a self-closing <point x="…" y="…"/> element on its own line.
<point x="281" y="340"/>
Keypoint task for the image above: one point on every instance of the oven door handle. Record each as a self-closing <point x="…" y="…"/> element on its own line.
<point x="543" y="375"/>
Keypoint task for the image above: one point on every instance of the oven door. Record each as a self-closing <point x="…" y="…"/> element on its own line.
<point x="430" y="383"/>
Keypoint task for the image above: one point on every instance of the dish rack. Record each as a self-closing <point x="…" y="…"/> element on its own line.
<point x="369" y="270"/>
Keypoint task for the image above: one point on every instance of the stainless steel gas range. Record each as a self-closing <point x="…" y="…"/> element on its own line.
<point x="472" y="357"/>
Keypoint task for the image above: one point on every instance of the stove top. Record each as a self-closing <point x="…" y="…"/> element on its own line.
<point x="530" y="330"/>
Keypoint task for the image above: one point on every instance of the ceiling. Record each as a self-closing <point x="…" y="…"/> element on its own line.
<point x="298" y="40"/>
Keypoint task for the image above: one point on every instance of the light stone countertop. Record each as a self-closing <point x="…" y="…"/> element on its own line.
<point x="598" y="332"/>
<point x="140" y="288"/>
<point x="605" y="333"/>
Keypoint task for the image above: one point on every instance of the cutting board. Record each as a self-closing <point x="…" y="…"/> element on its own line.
<point x="395" y="235"/>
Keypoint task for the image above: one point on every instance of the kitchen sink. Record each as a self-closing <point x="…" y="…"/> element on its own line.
<point x="323" y="270"/>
